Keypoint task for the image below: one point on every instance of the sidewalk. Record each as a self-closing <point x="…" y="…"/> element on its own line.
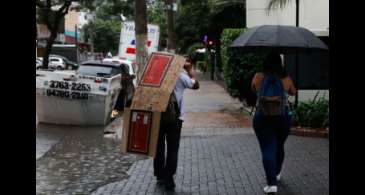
<point x="219" y="154"/>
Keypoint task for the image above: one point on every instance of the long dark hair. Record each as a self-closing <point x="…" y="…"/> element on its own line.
<point x="273" y="65"/>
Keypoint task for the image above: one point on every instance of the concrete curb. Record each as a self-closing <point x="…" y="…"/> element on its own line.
<point x="308" y="133"/>
<point x="304" y="132"/>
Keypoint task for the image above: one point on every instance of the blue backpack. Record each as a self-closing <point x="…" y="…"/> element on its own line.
<point x="271" y="98"/>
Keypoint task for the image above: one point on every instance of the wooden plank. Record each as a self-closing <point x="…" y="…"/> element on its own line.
<point x="155" y="128"/>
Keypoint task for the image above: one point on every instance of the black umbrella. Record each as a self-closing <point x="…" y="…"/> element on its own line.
<point x="283" y="39"/>
<point x="280" y="38"/>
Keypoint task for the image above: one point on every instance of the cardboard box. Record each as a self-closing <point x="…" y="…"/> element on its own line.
<point x="141" y="122"/>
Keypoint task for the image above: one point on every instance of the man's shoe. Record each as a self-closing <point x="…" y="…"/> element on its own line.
<point x="170" y="184"/>
<point x="270" y="189"/>
<point x="160" y="181"/>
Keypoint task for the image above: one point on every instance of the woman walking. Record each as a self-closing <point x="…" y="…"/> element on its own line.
<point x="272" y="119"/>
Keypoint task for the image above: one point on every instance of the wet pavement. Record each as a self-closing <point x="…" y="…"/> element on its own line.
<point x="219" y="154"/>
<point x="78" y="160"/>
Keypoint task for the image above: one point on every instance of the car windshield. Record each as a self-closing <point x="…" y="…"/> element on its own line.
<point x="100" y="71"/>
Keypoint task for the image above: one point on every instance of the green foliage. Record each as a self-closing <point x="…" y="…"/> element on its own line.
<point x="228" y="35"/>
<point x="313" y="113"/>
<point x="219" y="5"/>
<point x="191" y="50"/>
<point x="105" y="30"/>
<point x="238" y="68"/>
<point x="112" y="9"/>
<point x="192" y="23"/>
<point x="157" y="15"/>
<point x="105" y="33"/>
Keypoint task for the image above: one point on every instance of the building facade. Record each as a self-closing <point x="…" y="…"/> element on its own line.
<point x="314" y="16"/>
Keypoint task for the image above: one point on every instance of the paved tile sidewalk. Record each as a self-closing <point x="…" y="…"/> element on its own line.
<point x="230" y="164"/>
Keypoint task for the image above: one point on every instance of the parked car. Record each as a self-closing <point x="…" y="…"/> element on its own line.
<point x="108" y="69"/>
<point x="69" y="64"/>
<point x="38" y="64"/>
<point x="55" y="62"/>
<point x="128" y="63"/>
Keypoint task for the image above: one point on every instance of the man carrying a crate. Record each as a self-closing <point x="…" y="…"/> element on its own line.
<point x="170" y="129"/>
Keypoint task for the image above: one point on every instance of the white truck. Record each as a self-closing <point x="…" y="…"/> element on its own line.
<point x="127" y="44"/>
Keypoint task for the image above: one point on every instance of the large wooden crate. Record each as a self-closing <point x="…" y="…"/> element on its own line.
<point x="150" y="99"/>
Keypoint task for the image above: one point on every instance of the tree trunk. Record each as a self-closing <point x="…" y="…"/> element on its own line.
<point x="48" y="49"/>
<point x="171" y="42"/>
<point x="141" y="35"/>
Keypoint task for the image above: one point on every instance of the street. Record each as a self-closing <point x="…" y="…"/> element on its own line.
<point x="219" y="154"/>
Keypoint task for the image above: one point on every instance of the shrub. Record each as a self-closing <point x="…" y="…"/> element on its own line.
<point x="191" y="50"/>
<point x="238" y="68"/>
<point x="314" y="113"/>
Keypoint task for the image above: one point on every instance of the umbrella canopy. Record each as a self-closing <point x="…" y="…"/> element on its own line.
<point x="281" y="38"/>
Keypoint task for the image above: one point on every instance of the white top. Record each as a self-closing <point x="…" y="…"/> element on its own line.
<point x="183" y="82"/>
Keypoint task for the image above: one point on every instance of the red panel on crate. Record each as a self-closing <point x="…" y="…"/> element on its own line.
<point x="140" y="131"/>
<point x="156" y="70"/>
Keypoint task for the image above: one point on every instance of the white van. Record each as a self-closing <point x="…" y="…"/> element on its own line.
<point x="127" y="44"/>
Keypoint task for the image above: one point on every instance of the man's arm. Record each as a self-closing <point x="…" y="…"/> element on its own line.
<point x="192" y="76"/>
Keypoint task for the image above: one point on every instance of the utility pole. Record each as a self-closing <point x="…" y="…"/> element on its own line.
<point x="171" y="42"/>
<point x="141" y="35"/>
<point x="296" y="55"/>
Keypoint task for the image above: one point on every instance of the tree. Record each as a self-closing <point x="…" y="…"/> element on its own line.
<point x="156" y="15"/>
<point x="274" y="4"/>
<point x="52" y="16"/>
<point x="222" y="4"/>
<point x="105" y="34"/>
<point x="192" y="23"/>
<point x="171" y="43"/>
<point x="112" y="9"/>
<point x="141" y="35"/>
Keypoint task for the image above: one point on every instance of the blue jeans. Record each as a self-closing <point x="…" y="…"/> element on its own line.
<point x="272" y="133"/>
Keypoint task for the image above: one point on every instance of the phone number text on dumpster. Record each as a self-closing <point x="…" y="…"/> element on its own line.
<point x="58" y="89"/>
